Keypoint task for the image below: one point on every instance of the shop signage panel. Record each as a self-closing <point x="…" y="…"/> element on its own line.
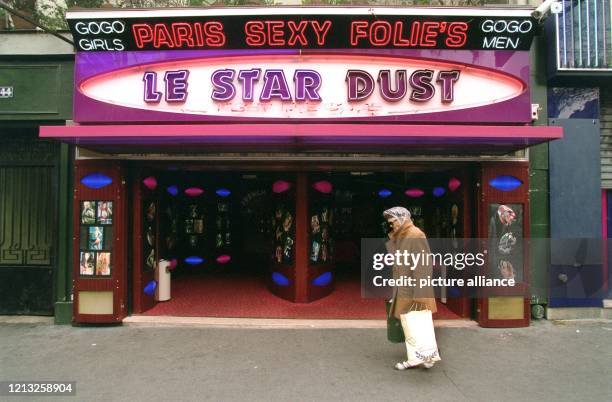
<point x="305" y="86"/>
<point x="302" y="28"/>
<point x="375" y="85"/>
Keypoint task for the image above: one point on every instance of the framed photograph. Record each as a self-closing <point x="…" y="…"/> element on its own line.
<point x="88" y="212"/>
<point x="150" y="237"/>
<point x="198" y="226"/>
<point x="188" y="226"/>
<point x="103" y="264"/>
<point x="314" y="252"/>
<point x="150" y="212"/>
<point x="506" y="241"/>
<point x="95" y="238"/>
<point x="287" y="222"/>
<point x="150" y="259"/>
<point x="105" y="212"/>
<point x="87" y="263"/>
<point x="314" y="224"/>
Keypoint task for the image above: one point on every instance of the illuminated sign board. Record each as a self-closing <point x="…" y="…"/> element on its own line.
<point x="295" y="28"/>
<point x="311" y="64"/>
<point x="307" y="86"/>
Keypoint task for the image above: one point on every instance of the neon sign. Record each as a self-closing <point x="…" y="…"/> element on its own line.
<point x="179" y="35"/>
<point x="312" y="28"/>
<point x="315" y="86"/>
<point x="360" y="85"/>
<point x="420" y="34"/>
<point x="288" y="34"/>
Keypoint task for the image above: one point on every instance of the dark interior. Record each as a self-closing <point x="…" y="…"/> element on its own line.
<point x="226" y="234"/>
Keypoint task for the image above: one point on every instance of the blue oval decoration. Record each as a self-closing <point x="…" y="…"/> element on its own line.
<point x="439" y="191"/>
<point x="384" y="193"/>
<point x="173" y="190"/>
<point x="149" y="289"/>
<point x="96" y="180"/>
<point x="505" y="183"/>
<point x="194" y="260"/>
<point x="323" y="279"/>
<point x="280" y="279"/>
<point x="223" y="192"/>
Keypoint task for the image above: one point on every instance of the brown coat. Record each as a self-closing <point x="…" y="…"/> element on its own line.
<point x="403" y="296"/>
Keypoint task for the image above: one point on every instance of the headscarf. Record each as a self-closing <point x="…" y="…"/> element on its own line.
<point x="400" y="213"/>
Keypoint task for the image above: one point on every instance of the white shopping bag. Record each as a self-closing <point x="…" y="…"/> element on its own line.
<point x="421" y="342"/>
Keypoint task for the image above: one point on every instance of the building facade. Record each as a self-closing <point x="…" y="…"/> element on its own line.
<point x="187" y="128"/>
<point x="578" y="75"/>
<point x="36" y="75"/>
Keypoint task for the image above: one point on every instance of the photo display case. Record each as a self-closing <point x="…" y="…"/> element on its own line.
<point x="506" y="241"/>
<point x="99" y="252"/>
<point x="321" y="228"/>
<point x="223" y="224"/>
<point x="284" y="230"/>
<point x="95" y="238"/>
<point x="149" y="231"/>
<point x="194" y="223"/>
<point x="168" y="229"/>
<point x="193" y="220"/>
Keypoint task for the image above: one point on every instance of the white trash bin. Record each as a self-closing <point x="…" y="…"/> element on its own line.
<point x="162" y="275"/>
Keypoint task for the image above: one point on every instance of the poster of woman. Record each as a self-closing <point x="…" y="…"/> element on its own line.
<point x="105" y="212"/>
<point x="86" y="265"/>
<point x="96" y="238"/>
<point x="88" y="212"/>
<point x="103" y="264"/>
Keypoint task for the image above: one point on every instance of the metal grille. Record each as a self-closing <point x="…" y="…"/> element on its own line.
<point x="584" y="35"/>
<point x="26" y="215"/>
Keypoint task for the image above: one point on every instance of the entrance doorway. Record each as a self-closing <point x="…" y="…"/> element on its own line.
<point x="235" y="241"/>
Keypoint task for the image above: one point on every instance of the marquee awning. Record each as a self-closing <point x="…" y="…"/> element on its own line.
<point x="339" y="137"/>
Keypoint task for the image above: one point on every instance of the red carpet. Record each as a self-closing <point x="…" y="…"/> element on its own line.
<point x="239" y="296"/>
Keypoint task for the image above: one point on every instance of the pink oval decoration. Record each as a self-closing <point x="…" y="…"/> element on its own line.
<point x="223" y="259"/>
<point x="453" y="184"/>
<point x="150" y="183"/>
<point x="280" y="186"/>
<point x="323" y="186"/>
<point x="414" y="192"/>
<point x="194" y="191"/>
<point x="173" y="263"/>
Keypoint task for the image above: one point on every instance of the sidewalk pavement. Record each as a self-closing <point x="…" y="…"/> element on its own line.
<point x="565" y="361"/>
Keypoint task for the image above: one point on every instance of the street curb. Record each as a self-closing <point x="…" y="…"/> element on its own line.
<point x="266" y="323"/>
<point x="582" y="321"/>
<point x="25" y="319"/>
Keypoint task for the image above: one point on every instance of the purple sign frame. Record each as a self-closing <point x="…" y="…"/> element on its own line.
<point x="512" y="63"/>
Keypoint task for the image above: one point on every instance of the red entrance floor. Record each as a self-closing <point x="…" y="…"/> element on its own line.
<point x="218" y="295"/>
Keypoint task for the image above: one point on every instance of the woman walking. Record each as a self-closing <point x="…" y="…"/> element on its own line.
<point x="404" y="236"/>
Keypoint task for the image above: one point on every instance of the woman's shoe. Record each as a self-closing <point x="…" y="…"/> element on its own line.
<point x="428" y="365"/>
<point x="404" y="365"/>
